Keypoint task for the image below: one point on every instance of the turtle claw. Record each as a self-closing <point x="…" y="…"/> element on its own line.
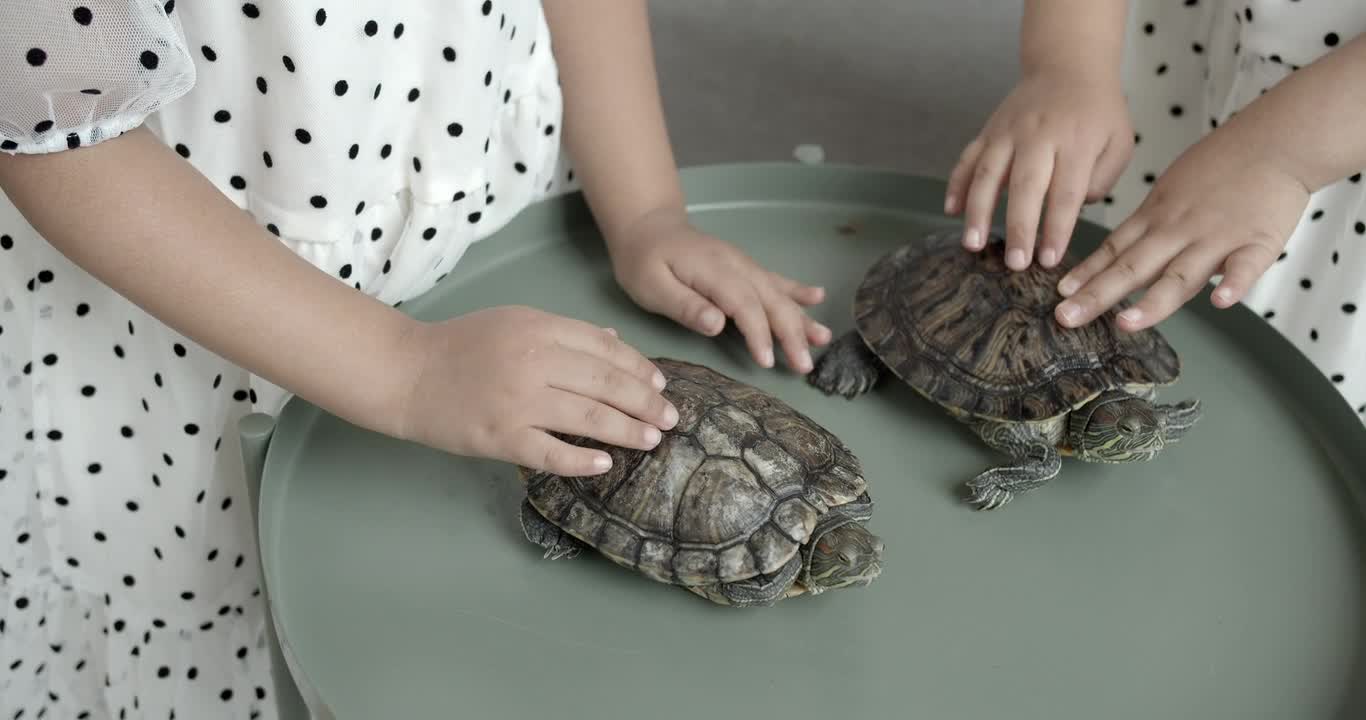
<point x="1036" y="463"/>
<point x="561" y="552"/>
<point x="558" y="544"/>
<point x="988" y="496"/>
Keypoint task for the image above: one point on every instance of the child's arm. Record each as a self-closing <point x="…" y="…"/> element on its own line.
<point x="615" y="131"/>
<point x="614" y="124"/>
<point x="1062" y="136"/>
<point x="135" y="215"/>
<point x="1230" y="203"/>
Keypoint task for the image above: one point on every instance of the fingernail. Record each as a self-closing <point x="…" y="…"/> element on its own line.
<point x="602" y="463"/>
<point x="1068" y="286"/>
<point x="1131" y="316"/>
<point x="950" y="204"/>
<point x="1223" y="296"/>
<point x="1069" y="312"/>
<point x="712" y="319"/>
<point x="611" y="331"/>
<point x="804" y="361"/>
<point x="1017" y="259"/>
<point x="652" y="436"/>
<point x="973" y="239"/>
<point x="658" y="380"/>
<point x="1047" y="257"/>
<point x="670" y="416"/>
<point x="766" y="358"/>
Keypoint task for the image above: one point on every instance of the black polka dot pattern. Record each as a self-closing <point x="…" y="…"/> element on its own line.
<point x="381" y="169"/>
<point x="1184" y="54"/>
<point x="83" y="43"/>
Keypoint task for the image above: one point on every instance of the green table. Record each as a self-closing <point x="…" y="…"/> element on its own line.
<point x="1222" y="580"/>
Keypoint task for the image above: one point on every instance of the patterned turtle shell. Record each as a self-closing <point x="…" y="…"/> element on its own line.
<point x="730" y="493"/>
<point x="964" y="330"/>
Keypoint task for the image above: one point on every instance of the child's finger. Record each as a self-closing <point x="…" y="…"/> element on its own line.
<point x="788" y="322"/>
<point x="600" y="381"/>
<point x="808" y="296"/>
<point x="735" y="295"/>
<point x="1242" y="268"/>
<point x="961" y="177"/>
<point x="601" y="344"/>
<point x="980" y="204"/>
<point x="1071" y="173"/>
<point x="1136" y="267"/>
<point x="1180" y="281"/>
<point x="676" y="300"/>
<point x="816" y="333"/>
<point x="802" y="293"/>
<point x="539" y="451"/>
<point x="1115" y="243"/>
<point x="570" y="413"/>
<point x="1029" y="176"/>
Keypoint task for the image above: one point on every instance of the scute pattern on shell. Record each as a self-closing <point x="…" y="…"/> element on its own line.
<point x="972" y="335"/>
<point x="731" y="492"/>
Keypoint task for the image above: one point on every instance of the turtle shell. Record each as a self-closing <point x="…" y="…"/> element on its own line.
<point x="974" y="336"/>
<point x="731" y="492"/>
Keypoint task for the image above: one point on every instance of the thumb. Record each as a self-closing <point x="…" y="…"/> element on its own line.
<point x="674" y="299"/>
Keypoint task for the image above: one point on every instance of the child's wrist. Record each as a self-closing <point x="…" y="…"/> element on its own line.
<point x="405" y="362"/>
<point x="1074" y="38"/>
<point x="624" y="231"/>
<point x="1071" y="72"/>
<point x="1267" y="147"/>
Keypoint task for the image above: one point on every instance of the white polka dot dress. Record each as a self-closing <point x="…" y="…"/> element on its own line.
<point x="376" y="139"/>
<point x="1191" y="64"/>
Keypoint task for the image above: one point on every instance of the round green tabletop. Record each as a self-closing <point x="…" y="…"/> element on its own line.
<point x="1224" y="579"/>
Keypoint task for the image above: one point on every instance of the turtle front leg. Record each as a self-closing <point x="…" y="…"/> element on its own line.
<point x="558" y="544"/>
<point x="846" y="368"/>
<point x="1037" y="462"/>
<point x="1178" y="419"/>
<point x="758" y="591"/>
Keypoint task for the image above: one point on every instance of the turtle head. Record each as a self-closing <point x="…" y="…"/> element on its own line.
<point x="1116" y="427"/>
<point x="846" y="555"/>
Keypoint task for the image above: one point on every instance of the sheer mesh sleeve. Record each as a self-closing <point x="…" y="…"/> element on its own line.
<point x="76" y="73"/>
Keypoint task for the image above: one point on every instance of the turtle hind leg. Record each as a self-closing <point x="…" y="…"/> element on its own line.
<point x="558" y="544"/>
<point x="846" y="368"/>
<point x="1036" y="462"/>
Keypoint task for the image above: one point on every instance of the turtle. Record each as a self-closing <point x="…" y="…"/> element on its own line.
<point x="980" y="340"/>
<point x="744" y="502"/>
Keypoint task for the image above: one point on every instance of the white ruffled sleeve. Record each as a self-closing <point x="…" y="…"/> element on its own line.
<point x="76" y="73"/>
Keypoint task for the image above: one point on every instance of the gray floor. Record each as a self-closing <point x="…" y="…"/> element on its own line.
<point x="890" y="83"/>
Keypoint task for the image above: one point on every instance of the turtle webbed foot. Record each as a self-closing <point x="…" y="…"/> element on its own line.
<point x="994" y="488"/>
<point x="987" y="495"/>
<point x="558" y="544"/>
<point x="1179" y="418"/>
<point x="846" y="368"/>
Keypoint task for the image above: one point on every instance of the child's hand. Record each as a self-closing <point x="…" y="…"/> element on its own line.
<point x="1061" y="137"/>
<point x="493" y="383"/>
<point x="1222" y="207"/>
<point x="669" y="267"/>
